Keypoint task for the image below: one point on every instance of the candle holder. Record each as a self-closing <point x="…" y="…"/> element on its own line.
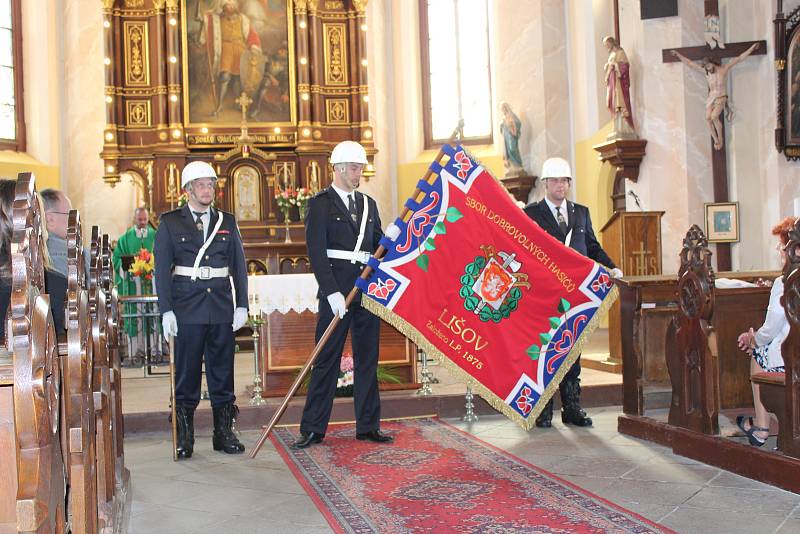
<point x="288" y="238"/>
<point x="255" y="323"/>
<point x="425" y="374"/>
<point x="469" y="416"/>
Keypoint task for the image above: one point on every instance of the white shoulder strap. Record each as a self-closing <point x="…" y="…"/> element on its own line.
<point x="205" y="246"/>
<point x="364" y="217"/>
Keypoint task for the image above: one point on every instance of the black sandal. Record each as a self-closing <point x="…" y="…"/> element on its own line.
<point x="750" y="432"/>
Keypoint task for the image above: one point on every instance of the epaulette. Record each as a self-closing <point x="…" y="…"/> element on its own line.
<point x="169" y="213"/>
<point x="320" y="193"/>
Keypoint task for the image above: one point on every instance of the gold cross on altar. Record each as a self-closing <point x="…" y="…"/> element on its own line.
<point x="244" y="101"/>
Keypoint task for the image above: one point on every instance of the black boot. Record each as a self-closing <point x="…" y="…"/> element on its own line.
<point x="571" y="411"/>
<point x="184" y="422"/>
<point x="224" y="439"/>
<point x="545" y="418"/>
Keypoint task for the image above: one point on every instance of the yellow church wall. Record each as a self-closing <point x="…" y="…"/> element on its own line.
<point x="594" y="181"/>
<point x="408" y="174"/>
<point x="13" y="163"/>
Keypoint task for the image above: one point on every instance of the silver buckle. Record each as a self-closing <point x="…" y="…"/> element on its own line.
<point x="205" y="273"/>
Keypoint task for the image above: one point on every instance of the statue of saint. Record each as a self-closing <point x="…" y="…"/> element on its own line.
<point x="618" y="83"/>
<point x="510" y="128"/>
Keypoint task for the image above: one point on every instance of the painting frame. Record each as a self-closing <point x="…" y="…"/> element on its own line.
<point x="787" y="64"/>
<point x="722" y="222"/>
<point x="196" y="119"/>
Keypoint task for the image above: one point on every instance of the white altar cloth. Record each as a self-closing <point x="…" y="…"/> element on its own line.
<point x="282" y="293"/>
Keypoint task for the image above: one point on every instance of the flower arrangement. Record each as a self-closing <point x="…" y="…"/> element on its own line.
<point x="301" y="200"/>
<point x="344" y="385"/>
<point x="286" y="200"/>
<point x="143" y="264"/>
<point x="345" y="382"/>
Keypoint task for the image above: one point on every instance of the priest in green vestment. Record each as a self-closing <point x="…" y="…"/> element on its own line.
<point x="140" y="236"/>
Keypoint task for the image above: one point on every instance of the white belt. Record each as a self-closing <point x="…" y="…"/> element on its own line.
<point x="203" y="273"/>
<point x="361" y="256"/>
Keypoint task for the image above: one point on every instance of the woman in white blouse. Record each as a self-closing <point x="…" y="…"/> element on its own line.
<point x="765" y="345"/>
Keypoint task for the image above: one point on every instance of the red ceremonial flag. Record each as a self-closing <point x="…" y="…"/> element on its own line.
<point x="471" y="279"/>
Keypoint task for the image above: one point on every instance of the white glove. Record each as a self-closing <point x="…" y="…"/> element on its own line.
<point x="392" y="231"/>
<point x="239" y="318"/>
<point x="336" y="301"/>
<point x="616" y="272"/>
<point x="169" y="324"/>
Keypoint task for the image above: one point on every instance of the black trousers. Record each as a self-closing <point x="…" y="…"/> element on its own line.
<point x="215" y="344"/>
<point x="574" y="372"/>
<point x="365" y="328"/>
<point x="573" y="375"/>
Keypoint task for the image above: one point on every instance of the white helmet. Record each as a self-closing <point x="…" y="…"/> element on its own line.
<point x="195" y="170"/>
<point x="349" y="152"/>
<point x="556" y="168"/>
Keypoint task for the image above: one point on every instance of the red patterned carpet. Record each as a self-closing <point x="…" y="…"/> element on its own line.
<point x="436" y="478"/>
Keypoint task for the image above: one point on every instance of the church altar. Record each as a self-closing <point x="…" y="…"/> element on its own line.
<point x="288" y="305"/>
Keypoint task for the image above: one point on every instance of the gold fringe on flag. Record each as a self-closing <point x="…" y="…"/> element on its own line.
<point x="408" y="330"/>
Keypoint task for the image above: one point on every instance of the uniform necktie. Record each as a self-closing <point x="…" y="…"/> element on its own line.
<point x="198" y="221"/>
<point x="351" y="206"/>
<point x="562" y="224"/>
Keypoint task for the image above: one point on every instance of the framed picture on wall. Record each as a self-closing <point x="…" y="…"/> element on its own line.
<point x="722" y="222"/>
<point x="236" y="46"/>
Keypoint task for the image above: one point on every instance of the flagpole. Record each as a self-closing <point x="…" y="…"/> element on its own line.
<point x="378" y="254"/>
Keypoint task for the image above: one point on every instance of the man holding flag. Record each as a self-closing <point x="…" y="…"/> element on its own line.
<point x="571" y="224"/>
<point x="343" y="229"/>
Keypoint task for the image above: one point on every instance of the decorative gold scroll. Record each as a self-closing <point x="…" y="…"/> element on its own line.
<point x="137" y="52"/>
<point x="334" y="45"/>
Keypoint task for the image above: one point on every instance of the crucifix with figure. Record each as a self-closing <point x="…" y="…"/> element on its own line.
<point x="708" y="60"/>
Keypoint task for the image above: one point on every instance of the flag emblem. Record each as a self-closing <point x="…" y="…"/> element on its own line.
<point x="490" y="285"/>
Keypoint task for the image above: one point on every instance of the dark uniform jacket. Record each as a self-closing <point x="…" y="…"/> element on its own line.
<point x="583" y="239"/>
<point x="329" y="226"/>
<point x="203" y="301"/>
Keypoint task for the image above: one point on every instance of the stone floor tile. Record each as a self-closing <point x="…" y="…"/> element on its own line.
<point x="668" y="472"/>
<point x="726" y="479"/>
<point x="590" y="467"/>
<point x="229" y="500"/>
<point x="624" y="492"/>
<point x="170" y="520"/>
<point x="687" y="520"/>
<point x="770" y="501"/>
<point x="790" y="526"/>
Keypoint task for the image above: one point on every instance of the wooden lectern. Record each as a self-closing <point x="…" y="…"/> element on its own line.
<point x="632" y="239"/>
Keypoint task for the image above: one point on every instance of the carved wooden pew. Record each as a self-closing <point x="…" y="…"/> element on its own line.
<point x="32" y="491"/>
<point x="79" y="403"/>
<point x="101" y="383"/>
<point x="780" y="392"/>
<point x="121" y="473"/>
<point x="691" y="363"/>
<point x="707" y="370"/>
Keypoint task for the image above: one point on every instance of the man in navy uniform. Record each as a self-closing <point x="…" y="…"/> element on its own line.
<point x="198" y="250"/>
<point x="342" y="231"/>
<point x="569" y="223"/>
